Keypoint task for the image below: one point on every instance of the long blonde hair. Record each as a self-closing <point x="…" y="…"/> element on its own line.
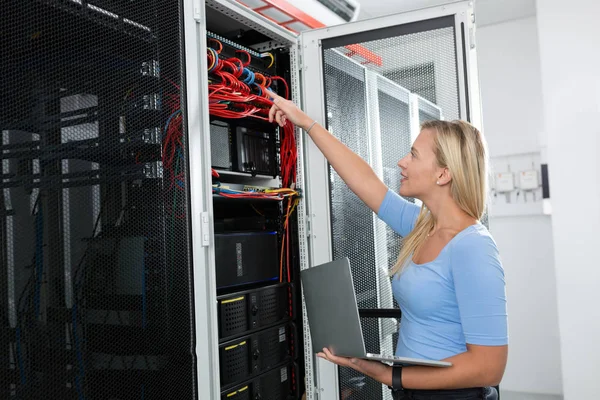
<point x="461" y="148"/>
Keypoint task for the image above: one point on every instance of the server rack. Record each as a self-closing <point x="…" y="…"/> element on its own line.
<point x="96" y="233"/>
<point x="112" y="207"/>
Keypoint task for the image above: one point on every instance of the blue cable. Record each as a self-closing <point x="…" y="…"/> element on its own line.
<point x="249" y="80"/>
<point x="216" y="57"/>
<point x="169" y="120"/>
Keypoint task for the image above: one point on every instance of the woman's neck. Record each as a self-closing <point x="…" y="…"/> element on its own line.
<point x="448" y="215"/>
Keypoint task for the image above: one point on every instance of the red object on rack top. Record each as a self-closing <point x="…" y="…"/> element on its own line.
<point x="300" y="16"/>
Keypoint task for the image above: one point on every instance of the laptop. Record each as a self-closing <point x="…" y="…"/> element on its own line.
<point x="333" y="315"/>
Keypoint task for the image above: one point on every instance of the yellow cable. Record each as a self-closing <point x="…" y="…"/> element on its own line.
<point x="255" y="209"/>
<point x="272" y="58"/>
<point x="214" y="60"/>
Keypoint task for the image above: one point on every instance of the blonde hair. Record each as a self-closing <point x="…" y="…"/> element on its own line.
<point x="461" y="148"/>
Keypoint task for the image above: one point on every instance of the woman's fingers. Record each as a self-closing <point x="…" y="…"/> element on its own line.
<point x="273" y="96"/>
<point x="278" y="117"/>
<point x="328" y="355"/>
<point x="276" y="114"/>
<point x="272" y="112"/>
<point x="284" y="110"/>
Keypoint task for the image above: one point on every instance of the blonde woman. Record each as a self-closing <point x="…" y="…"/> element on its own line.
<point x="448" y="280"/>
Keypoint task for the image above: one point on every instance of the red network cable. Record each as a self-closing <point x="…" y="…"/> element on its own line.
<point x="236" y="92"/>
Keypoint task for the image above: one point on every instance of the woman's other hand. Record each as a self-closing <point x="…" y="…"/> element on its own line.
<point x="283" y="110"/>
<point x="375" y="369"/>
<point x="341" y="361"/>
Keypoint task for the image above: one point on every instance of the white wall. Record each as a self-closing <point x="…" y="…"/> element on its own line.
<point x="569" y="36"/>
<point x="509" y="70"/>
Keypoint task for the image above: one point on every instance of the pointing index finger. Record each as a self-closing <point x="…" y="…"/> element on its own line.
<point x="274" y="96"/>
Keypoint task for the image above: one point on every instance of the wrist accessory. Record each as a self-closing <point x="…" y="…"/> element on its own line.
<point x="397" y="378"/>
<point x="311" y="126"/>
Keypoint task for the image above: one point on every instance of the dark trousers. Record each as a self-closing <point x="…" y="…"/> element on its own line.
<point x="486" y="393"/>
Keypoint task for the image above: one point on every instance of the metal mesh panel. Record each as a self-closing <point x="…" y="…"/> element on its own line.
<point x="423" y="117"/>
<point x="376" y="124"/>
<point x="220" y="156"/>
<point x="94" y="203"/>
<point x="424" y="63"/>
<point x="394" y="115"/>
<point x="428" y="111"/>
<point x="352" y="220"/>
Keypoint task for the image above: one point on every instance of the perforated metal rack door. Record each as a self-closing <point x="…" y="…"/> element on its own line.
<point x="351" y="220"/>
<point x="417" y="59"/>
<point x="94" y="217"/>
<point x="394" y="118"/>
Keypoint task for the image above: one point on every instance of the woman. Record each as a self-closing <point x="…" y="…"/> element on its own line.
<point x="448" y="280"/>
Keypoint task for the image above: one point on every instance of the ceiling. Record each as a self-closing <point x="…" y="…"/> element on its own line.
<point x="488" y="12"/>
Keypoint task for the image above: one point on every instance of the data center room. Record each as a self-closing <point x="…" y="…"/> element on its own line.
<point x="154" y="224"/>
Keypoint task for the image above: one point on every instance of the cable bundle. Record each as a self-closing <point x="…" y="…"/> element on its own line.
<point x="269" y="194"/>
<point x="288" y="156"/>
<point x="173" y="155"/>
<point x="238" y="92"/>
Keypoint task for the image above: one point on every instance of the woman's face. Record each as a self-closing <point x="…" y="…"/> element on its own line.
<point x="419" y="167"/>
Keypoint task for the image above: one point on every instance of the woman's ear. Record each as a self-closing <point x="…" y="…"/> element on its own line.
<point x="445" y="177"/>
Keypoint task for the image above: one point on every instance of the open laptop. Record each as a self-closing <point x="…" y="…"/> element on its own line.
<point x="333" y="314"/>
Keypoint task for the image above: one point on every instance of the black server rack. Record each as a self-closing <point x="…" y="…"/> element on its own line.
<point x="94" y="217"/>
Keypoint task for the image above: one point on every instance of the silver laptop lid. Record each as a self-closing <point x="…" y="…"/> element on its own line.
<point x="331" y="309"/>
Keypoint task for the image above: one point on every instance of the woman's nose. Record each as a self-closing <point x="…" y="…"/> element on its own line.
<point x="402" y="163"/>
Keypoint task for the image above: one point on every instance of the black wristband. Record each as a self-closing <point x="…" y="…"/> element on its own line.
<point x="397" y="378"/>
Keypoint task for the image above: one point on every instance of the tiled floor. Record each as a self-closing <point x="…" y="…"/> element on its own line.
<point x="504" y="395"/>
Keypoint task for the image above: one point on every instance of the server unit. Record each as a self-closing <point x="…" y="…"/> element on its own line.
<point x="245" y="258"/>
<point x="251" y="355"/>
<point x="244" y="312"/>
<point x="154" y="223"/>
<point x="276" y="384"/>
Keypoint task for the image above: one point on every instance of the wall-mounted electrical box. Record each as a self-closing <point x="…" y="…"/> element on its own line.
<point x="505" y="182"/>
<point x="518" y="191"/>
<point x="528" y="180"/>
